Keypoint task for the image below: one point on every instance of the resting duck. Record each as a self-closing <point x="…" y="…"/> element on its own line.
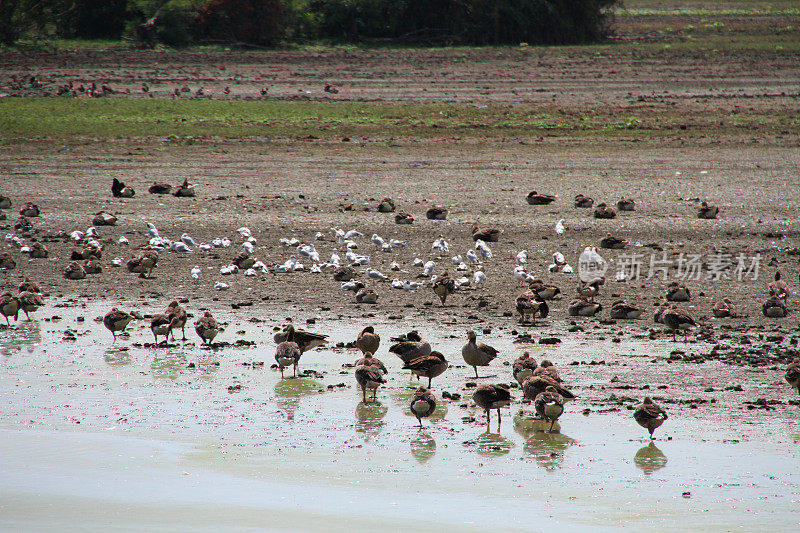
<point x="5" y="202"/>
<point x="626" y="204"/>
<point x="9" y="306"/>
<point x="590" y="289"/>
<point x="523" y="367"/>
<point x="583" y="201"/>
<point x="184" y="190"/>
<point x="104" y="219"/>
<point x="120" y="190"/>
<point x="74" y="271"/>
<point x="344" y="273"/>
<point x="159" y="188"/>
<point x="116" y="320"/>
<point x="243" y="260"/>
<point x="366" y="296"/>
<point x="427" y="366"/>
<point x="535" y="385"/>
<point x="28" y="285"/>
<point x="477" y="354"/>
<point x="206" y="328"/>
<point x="444" y="286"/>
<point x="677" y="320"/>
<point x="549" y="405"/>
<point x="724" y="308"/>
<point x="178" y="318"/>
<point x="92" y="266"/>
<point x="775" y="308"/>
<point x="490" y="397"/>
<point x="386" y="205"/>
<point x="306" y="340"/>
<point x="403" y="218"/>
<point x="545" y="292"/>
<point x="436" y="212"/>
<point x="779" y="288"/>
<point x="288" y="352"/>
<point x="707" y="211"/>
<point x="368" y="340"/>
<point x="485" y="234"/>
<point x="38" y="251"/>
<point x="529" y="304"/>
<point x="793" y="373"/>
<point x="612" y="243"/>
<point x="7" y="261"/>
<point x="583" y="307"/>
<point x="549" y="369"/>
<point x="603" y="211"/>
<point x="423" y="404"/>
<point x="23" y="224"/>
<point x="90" y="251"/>
<point x="649" y="415"/>
<point x="535" y="198"/>
<point x="29" y="210"/>
<point x="623" y="311"/>
<point x="146" y="261"/>
<point x="678" y="292"/>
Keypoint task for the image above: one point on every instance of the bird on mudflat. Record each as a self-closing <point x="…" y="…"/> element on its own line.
<point x="428" y="366"/>
<point x="549" y="405"/>
<point x="423" y="404"/>
<point x="288" y="352"/>
<point x="490" y="397"/>
<point x="649" y="415"/>
<point x="116" y="320"/>
<point x="477" y="354"/>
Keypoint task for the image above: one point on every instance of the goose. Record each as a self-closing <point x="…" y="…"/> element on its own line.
<point x="288" y="352"/>
<point x="613" y="243"/>
<point x="544" y="291"/>
<point x="28" y="285"/>
<point x="368" y="359"/>
<point x="206" y="328"/>
<point x="9" y="306"/>
<point x="707" y="211"/>
<point x="23" y="224"/>
<point x="583" y="307"/>
<point x="403" y="218"/>
<point x="443" y="286"/>
<point x="677" y="320"/>
<point x="678" y="292"/>
<point x="178" y="317"/>
<point x="5" y="202"/>
<point x="103" y="218"/>
<point x="549" y="405"/>
<point x="120" y="190"/>
<point x="344" y="273"/>
<point x="159" y="188"/>
<point x="423" y="404"/>
<point x="624" y="311"/>
<point x="535" y="198"/>
<point x="477" y="354"/>
<point x="160" y="325"/>
<point x="410" y="346"/>
<point x="724" y="308"/>
<point x="779" y="288"/>
<point x="583" y="201"/>
<point x="243" y="260"/>
<point x="368" y="340"/>
<point x="547" y="368"/>
<point x="74" y="271"/>
<point x="523" y="367"/>
<point x="775" y="308"/>
<point x="306" y="340"/>
<point x="649" y="415"/>
<point x="529" y="303"/>
<point x="485" y="234"/>
<point x="116" y="320"/>
<point x="590" y="289"/>
<point x="38" y="251"/>
<point x="386" y="205"/>
<point x="427" y="366"/>
<point x="29" y="210"/>
<point x="366" y="296"/>
<point x="185" y="190"/>
<point x="536" y="384"/>
<point x="490" y="397"/>
<point x="793" y="373"/>
<point x="436" y="212"/>
<point x="603" y="211"/>
<point x="369" y="376"/>
<point x="145" y="262"/>
<point x="92" y="266"/>
<point x="626" y="204"/>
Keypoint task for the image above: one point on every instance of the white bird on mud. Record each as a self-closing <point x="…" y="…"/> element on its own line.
<point x="261" y="267"/>
<point x="472" y="257"/>
<point x="350" y="256"/>
<point x="195" y="273"/>
<point x="152" y="230"/>
<point x="180" y="247"/>
<point x="386" y="247"/>
<point x="117" y="262"/>
<point x="335" y="260"/>
<point x="247" y="247"/>
<point x="397" y="284"/>
<point x="479" y="276"/>
<point x="219" y="286"/>
<point x="244" y="232"/>
<point x="428" y="268"/>
<point x="377" y="240"/>
<point x="315" y="269"/>
<point x="319" y="236"/>
<point x="374" y="274"/>
<point x="462" y="267"/>
<point x="418" y="262"/>
<point x="394" y="266"/>
<point x="411" y="285"/>
<point x="560" y="227"/>
<point x="250" y="272"/>
<point x="294" y="241"/>
<point x="227" y="270"/>
<point x="566" y="269"/>
<point x="352" y="234"/>
<point x="203" y="247"/>
<point x="351" y="285"/>
<point x="440" y="244"/>
<point x="522" y="257"/>
<point x="484" y="250"/>
<point x="75" y="236"/>
<point x="92" y="232"/>
<point x="463" y="281"/>
<point x="558" y="259"/>
<point x="456" y="260"/>
<point x="396" y="243"/>
<point x="123" y="240"/>
<point x="520" y="274"/>
<point x="186" y="239"/>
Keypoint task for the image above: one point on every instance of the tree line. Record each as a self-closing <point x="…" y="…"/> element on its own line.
<point x="267" y="23"/>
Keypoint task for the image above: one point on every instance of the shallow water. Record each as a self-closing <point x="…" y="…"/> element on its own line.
<point x="115" y="436"/>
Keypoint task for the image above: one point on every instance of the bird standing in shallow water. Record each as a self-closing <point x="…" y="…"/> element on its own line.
<point x="427" y="366"/>
<point x="649" y="415"/>
<point x="369" y="374"/>
<point x="477" y="354"/>
<point x="490" y="397"/>
<point x="9" y="306"/>
<point x="288" y="352"/>
<point x="549" y="404"/>
<point x="793" y="373"/>
<point x="206" y="328"/>
<point x="423" y="404"/>
<point x="116" y="320"/>
<point x="178" y="317"/>
<point x="368" y="340"/>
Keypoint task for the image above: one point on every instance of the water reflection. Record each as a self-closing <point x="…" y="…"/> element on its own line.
<point x="24" y="334"/>
<point x="117" y="356"/>
<point x="288" y="393"/>
<point x="369" y="418"/>
<point x="493" y="445"/>
<point x="649" y="459"/>
<point x="168" y="364"/>
<point x="545" y="447"/>
<point x="423" y="447"/>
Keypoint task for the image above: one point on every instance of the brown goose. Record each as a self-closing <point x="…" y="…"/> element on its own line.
<point x="366" y="296"/>
<point x="403" y="218"/>
<point x="779" y="288"/>
<point x="5" y="202"/>
<point x="477" y="354"/>
<point x="159" y="188"/>
<point x="678" y="292"/>
<point x="38" y="251"/>
<point x="29" y="210"/>
<point x="427" y="366"/>
<point x="369" y="360"/>
<point x="23" y="224"/>
<point x="368" y="340"/>
<point x="444" y="286"/>
<point x="369" y="377"/>
<point x="724" y="308"/>
<point x="583" y="307"/>
<point x="92" y="266"/>
<point x="547" y="368"/>
<point x="535" y="198"/>
<point x="185" y="190"/>
<point x="545" y="292"/>
<point x="243" y="260"/>
<point x="490" y="397"/>
<point x="549" y="405"/>
<point x="613" y="243"/>
<point x="485" y="234"/>
<point x="410" y="346"/>
<point x="626" y="204"/>
<point x="793" y="373"/>
<point x="344" y="273"/>
<point x="103" y="218"/>
<point x="583" y="201"/>
<point x="74" y="271"/>
<point x="530" y="304"/>
<point x="624" y="311"/>
<point x="677" y="320"/>
<point x="386" y="205"/>
<point x="116" y="320"/>
<point x="9" y="306"/>
<point x="775" y="308"/>
<point x="160" y="325"/>
<point x="707" y="211"/>
<point x="28" y="285"/>
<point x="649" y="415"/>
<point x="659" y="312"/>
<point x="590" y="289"/>
<point x="87" y="252"/>
<point x="145" y="262"/>
<point x="306" y="340"/>
<point x="535" y="385"/>
<point x="178" y="318"/>
<point x="7" y="261"/>
<point x="523" y="367"/>
<point x="436" y="212"/>
<point x="603" y="211"/>
<point x="120" y="190"/>
<point x="206" y="328"/>
<point x="30" y="302"/>
<point x="288" y="352"/>
<point x="423" y="404"/>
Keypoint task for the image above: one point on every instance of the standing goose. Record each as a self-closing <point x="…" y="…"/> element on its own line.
<point x="288" y="352"/>
<point x="206" y="328"/>
<point x="530" y="303"/>
<point x="485" y="234"/>
<point x="677" y="320"/>
<point x="536" y="384"/>
<point x="368" y="340"/>
<point x="523" y="367"/>
<point x="369" y="377"/>
<point x="549" y="405"/>
<point x="369" y="360"/>
<point x="793" y="373"/>
<point x="427" y="366"/>
<point x="724" y="308"/>
<point x="775" y="308"/>
<point x="30" y="302"/>
<point x="145" y="262"/>
<point x="28" y="285"/>
<point x="160" y="325"/>
<point x="624" y="311"/>
<point x="444" y="286"/>
<point x="178" y="317"/>
<point x="116" y="320"/>
<point x="490" y="397"/>
<point x="306" y="340"/>
<point x="423" y="404"/>
<point x="779" y="288"/>
<point x="545" y="292"/>
<point x="9" y="306"/>
<point x="535" y="198"/>
<point x="649" y="415"/>
<point x="410" y="346"/>
<point x="477" y="354"/>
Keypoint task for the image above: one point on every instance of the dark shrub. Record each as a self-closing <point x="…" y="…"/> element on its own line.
<point x="256" y="22"/>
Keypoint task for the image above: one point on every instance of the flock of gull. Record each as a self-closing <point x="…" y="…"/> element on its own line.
<point x="540" y="383"/>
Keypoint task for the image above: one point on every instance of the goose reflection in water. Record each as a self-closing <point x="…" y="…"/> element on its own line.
<point x="493" y="445"/>
<point x="117" y="356"/>
<point x="545" y="447"/>
<point x="423" y="447"/>
<point x="649" y="458"/>
<point x="25" y="334"/>
<point x="168" y="364"/>
<point x="369" y="418"/>
<point x="289" y="392"/>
